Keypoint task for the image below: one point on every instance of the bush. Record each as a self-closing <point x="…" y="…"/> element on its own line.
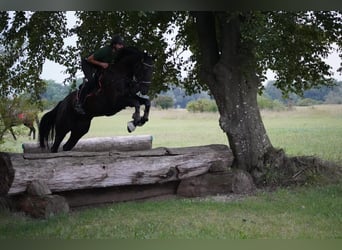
<point x="165" y="102"/>
<point x="307" y="102"/>
<point x="202" y="105"/>
<point x="267" y="103"/>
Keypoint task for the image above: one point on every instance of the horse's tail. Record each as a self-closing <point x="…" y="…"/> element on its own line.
<point x="47" y="126"/>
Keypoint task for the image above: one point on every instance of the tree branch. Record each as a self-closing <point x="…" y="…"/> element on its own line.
<point x="206" y="31"/>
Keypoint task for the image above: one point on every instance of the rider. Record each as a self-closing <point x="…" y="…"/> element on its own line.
<point x="91" y="66"/>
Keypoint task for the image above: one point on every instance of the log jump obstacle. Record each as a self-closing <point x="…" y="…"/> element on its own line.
<point x="90" y="178"/>
<point x="101" y="144"/>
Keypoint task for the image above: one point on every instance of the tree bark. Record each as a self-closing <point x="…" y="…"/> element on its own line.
<point x="240" y="119"/>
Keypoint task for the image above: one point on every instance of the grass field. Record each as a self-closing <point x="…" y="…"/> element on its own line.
<point x="299" y="213"/>
<point x="303" y="131"/>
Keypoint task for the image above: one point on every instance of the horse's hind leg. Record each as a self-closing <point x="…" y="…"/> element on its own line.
<point x="76" y="133"/>
<point x="59" y="136"/>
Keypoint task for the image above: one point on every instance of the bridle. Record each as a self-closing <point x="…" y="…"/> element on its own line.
<point x="146" y="66"/>
<point x="141" y="71"/>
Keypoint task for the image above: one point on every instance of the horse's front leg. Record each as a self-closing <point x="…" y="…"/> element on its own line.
<point x="136" y="116"/>
<point x="144" y="119"/>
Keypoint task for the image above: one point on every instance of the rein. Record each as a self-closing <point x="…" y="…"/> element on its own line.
<point x="147" y="65"/>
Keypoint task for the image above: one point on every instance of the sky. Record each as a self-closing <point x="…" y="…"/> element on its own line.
<point x="54" y="71"/>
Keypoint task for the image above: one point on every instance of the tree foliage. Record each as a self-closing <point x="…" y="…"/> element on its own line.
<point x="293" y="44"/>
<point x="54" y="92"/>
<point x="27" y="39"/>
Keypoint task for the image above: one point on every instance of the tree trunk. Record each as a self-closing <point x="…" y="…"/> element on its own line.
<point x="228" y="70"/>
<point x="240" y="119"/>
<point x="228" y="67"/>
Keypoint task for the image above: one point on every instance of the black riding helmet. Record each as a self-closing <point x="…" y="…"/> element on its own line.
<point x="116" y="39"/>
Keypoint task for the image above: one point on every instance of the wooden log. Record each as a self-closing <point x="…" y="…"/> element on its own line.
<point x="207" y="184"/>
<point x="38" y="202"/>
<point x="231" y="181"/>
<point x="6" y="173"/>
<point x="96" y="196"/>
<point x="38" y="188"/>
<point x="86" y="170"/>
<point x="100" y="144"/>
<point x="42" y="206"/>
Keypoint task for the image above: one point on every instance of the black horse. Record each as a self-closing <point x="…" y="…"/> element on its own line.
<point x="123" y="84"/>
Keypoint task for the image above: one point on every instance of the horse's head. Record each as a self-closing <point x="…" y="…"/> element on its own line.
<point x="140" y="65"/>
<point x="143" y="73"/>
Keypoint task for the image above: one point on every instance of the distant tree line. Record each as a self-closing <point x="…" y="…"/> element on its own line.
<point x="177" y="97"/>
<point x="55" y="92"/>
<point x="319" y="95"/>
<point x="180" y="97"/>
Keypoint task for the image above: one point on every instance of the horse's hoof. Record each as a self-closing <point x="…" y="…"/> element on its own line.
<point x="130" y="126"/>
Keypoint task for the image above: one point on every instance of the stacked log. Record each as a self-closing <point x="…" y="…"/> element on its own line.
<point x="90" y="178"/>
<point x="102" y="144"/>
<point x="86" y="170"/>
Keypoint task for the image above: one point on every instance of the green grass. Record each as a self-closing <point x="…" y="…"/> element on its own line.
<point x="302" y="213"/>
<point x="307" y="131"/>
<point x="303" y="131"/>
<point x="172" y="128"/>
<point x="299" y="213"/>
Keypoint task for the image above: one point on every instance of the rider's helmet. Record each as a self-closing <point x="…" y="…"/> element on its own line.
<point x="116" y="39"/>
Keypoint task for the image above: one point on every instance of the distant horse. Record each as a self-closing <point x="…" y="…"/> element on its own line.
<point x="27" y="118"/>
<point x="123" y="84"/>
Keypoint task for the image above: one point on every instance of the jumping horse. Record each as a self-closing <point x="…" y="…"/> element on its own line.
<point x="123" y="84"/>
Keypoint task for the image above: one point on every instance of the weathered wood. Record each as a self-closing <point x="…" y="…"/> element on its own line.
<point x="100" y="144"/>
<point x="38" y="188"/>
<point x="42" y="206"/>
<point x="96" y="196"/>
<point x="6" y="173"/>
<point x="207" y="184"/>
<point x="229" y="181"/>
<point x="86" y="170"/>
<point x="243" y="182"/>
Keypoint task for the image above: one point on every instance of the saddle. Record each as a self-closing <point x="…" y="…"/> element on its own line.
<point x="90" y="87"/>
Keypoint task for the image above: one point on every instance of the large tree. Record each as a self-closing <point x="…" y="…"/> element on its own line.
<point x="27" y="39"/>
<point x="231" y="52"/>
